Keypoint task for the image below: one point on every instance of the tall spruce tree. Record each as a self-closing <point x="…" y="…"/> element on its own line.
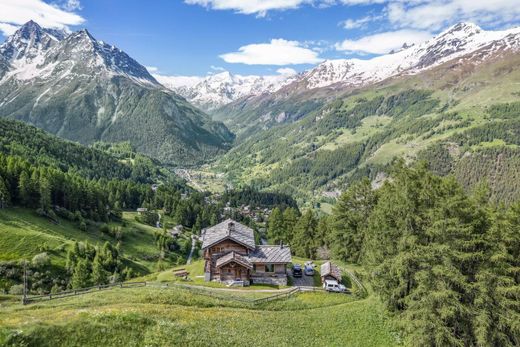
<point x="498" y="283"/>
<point x="99" y="274"/>
<point x="290" y="218"/>
<point x="81" y="275"/>
<point x="305" y="243"/>
<point x="5" y="196"/>
<point x="276" y="229"/>
<point x="351" y="220"/>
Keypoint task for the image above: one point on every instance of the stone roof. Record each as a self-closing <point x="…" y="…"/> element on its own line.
<point x="271" y="254"/>
<point x="329" y="269"/>
<point x="229" y="229"/>
<point x="233" y="256"/>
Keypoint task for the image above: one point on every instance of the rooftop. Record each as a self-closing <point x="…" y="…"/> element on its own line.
<point x="271" y="254"/>
<point x="329" y="269"/>
<point x="228" y="229"/>
<point x="233" y="256"/>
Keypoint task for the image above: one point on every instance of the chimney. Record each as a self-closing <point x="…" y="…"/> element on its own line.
<point x="281" y="244"/>
<point x="231" y="227"/>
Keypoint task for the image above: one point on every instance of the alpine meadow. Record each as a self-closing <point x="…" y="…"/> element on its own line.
<point x="262" y="173"/>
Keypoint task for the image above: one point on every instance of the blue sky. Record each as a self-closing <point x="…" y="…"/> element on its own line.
<point x="196" y="37"/>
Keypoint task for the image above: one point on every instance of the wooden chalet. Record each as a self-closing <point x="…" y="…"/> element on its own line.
<point x="231" y="254"/>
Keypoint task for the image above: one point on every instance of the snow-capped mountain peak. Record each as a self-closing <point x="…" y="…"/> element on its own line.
<point x="29" y="42"/>
<point x="36" y="52"/>
<point x="454" y="42"/>
<point x="219" y="89"/>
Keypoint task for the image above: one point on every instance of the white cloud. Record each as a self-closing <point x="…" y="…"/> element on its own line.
<point x="72" y="5"/>
<point x="276" y="52"/>
<point x="359" y="23"/>
<point x="217" y="68"/>
<point x="383" y="42"/>
<point x="7" y="29"/>
<point x="259" y="7"/>
<point x="286" y="71"/>
<point x="17" y="12"/>
<point x="152" y="69"/>
<point x="436" y="14"/>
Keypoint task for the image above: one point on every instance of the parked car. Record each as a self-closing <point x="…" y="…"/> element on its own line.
<point x="297" y="270"/>
<point x="309" y="270"/>
<point x="334" y="286"/>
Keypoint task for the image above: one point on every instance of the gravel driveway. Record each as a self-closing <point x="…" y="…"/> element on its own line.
<point x="304" y="281"/>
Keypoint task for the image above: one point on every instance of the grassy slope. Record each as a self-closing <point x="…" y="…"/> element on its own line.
<point x="23" y="235"/>
<point x="166" y="317"/>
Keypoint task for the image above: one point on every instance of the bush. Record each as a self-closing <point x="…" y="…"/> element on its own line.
<point x="104" y="228"/>
<point x="41" y="260"/>
<point x="16" y="289"/>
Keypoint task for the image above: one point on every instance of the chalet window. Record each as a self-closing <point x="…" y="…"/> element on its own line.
<point x="269" y="267"/>
<point x="254" y="267"/>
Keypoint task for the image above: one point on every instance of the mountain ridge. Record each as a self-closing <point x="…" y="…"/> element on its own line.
<point x="85" y="90"/>
<point x="333" y="78"/>
<point x="217" y="90"/>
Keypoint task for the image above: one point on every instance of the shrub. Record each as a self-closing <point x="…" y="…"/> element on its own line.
<point x="41" y="260"/>
<point x="104" y="228"/>
<point x="16" y="289"/>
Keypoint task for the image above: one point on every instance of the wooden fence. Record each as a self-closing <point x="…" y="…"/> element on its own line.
<point x="36" y="298"/>
<point x="198" y="290"/>
<point x="277" y="296"/>
<point x="361" y="287"/>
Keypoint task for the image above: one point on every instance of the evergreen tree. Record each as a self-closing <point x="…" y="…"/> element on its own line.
<point x="323" y="231"/>
<point x="498" y="283"/>
<point x="25" y="189"/>
<point x="5" y="196"/>
<point x="81" y="275"/>
<point x="276" y="228"/>
<point x="351" y="215"/>
<point x="99" y="274"/>
<point x="290" y="218"/>
<point x="305" y="243"/>
<point x="45" y="193"/>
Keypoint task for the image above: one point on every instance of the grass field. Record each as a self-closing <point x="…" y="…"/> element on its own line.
<point x="177" y="317"/>
<point x="23" y="234"/>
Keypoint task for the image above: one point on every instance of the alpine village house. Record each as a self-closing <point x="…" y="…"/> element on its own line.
<point x="231" y="254"/>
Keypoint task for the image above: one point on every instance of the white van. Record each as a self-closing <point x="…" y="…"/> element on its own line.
<point x="334" y="286"/>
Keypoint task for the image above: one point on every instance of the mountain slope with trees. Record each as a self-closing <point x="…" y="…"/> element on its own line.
<point x="85" y="90"/>
<point x="468" y="107"/>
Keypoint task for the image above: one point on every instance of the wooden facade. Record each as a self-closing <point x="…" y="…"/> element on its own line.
<point x="230" y="254"/>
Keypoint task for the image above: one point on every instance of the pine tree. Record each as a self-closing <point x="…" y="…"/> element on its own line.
<point x="305" y="243"/>
<point x="5" y="196"/>
<point x="290" y="218"/>
<point x="45" y="193"/>
<point x="323" y="231"/>
<point x="99" y="274"/>
<point x="276" y="229"/>
<point x="498" y="283"/>
<point x="81" y="275"/>
<point x="25" y="190"/>
<point x="351" y="221"/>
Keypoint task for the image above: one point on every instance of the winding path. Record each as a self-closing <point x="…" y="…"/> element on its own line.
<point x="193" y="242"/>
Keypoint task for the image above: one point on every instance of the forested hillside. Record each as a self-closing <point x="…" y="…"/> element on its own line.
<point x="361" y="132"/>
<point x="67" y="211"/>
<point x="444" y="262"/>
